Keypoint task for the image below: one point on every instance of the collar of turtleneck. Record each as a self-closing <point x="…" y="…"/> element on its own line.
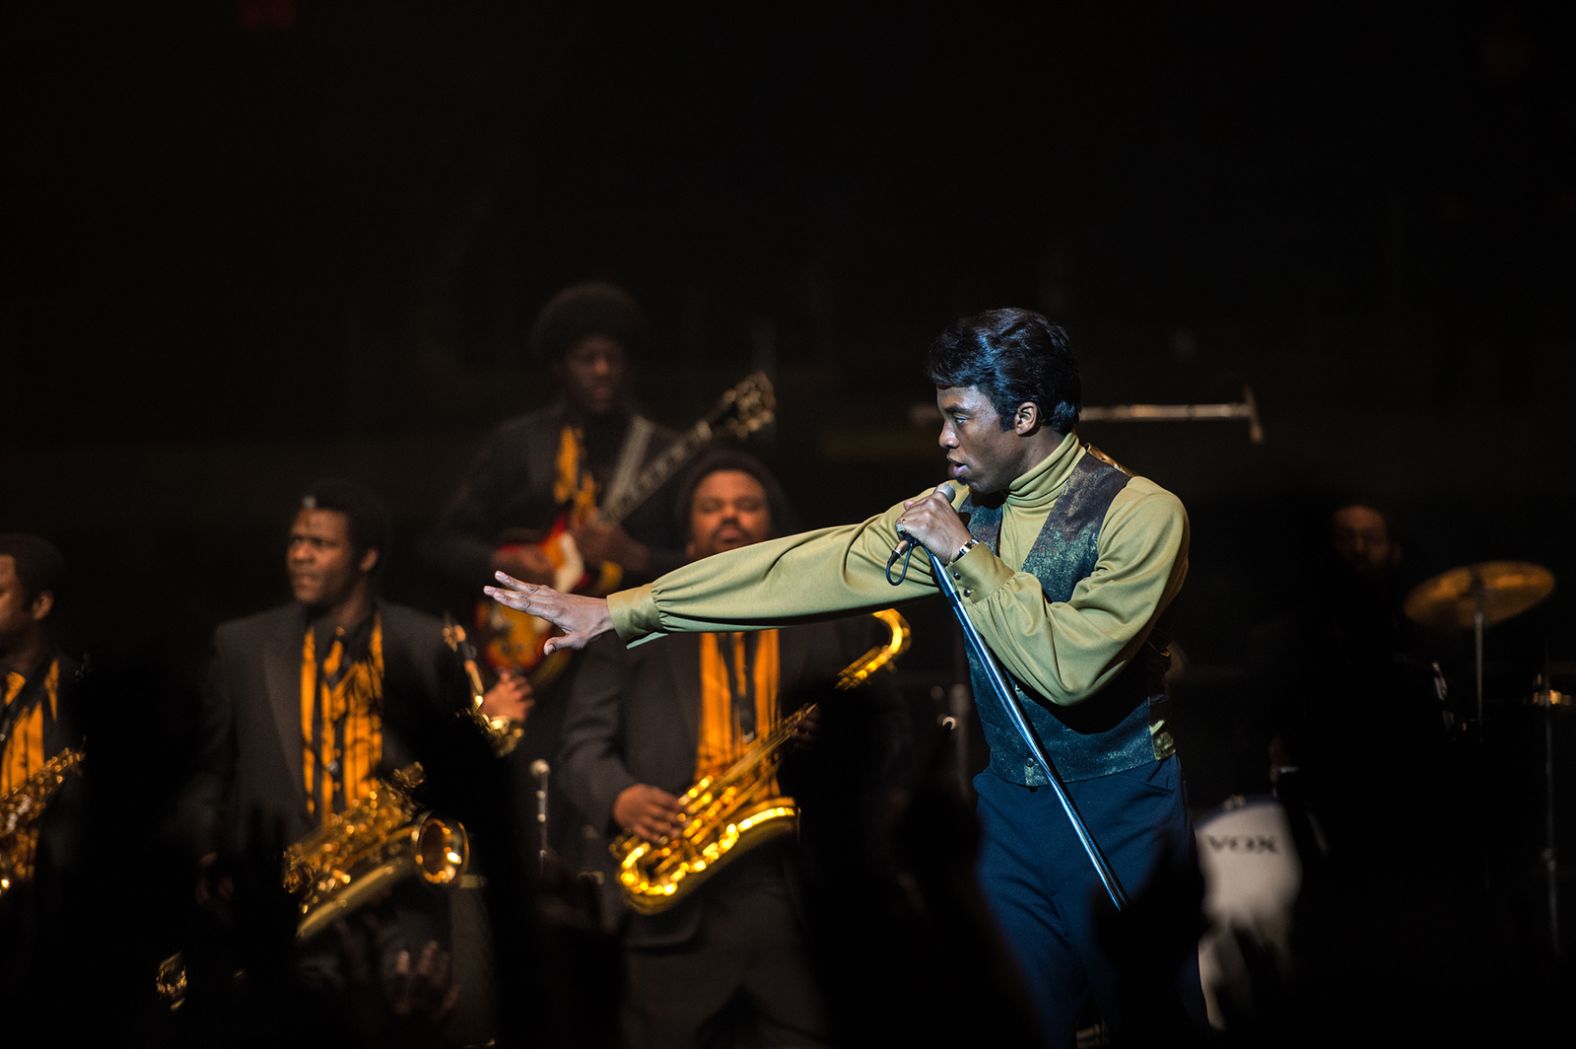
<point x="1038" y="488"/>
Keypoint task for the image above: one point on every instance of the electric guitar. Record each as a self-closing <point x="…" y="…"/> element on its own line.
<point x="512" y="640"/>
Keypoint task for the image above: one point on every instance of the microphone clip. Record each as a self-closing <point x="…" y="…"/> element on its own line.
<point x="905" y="550"/>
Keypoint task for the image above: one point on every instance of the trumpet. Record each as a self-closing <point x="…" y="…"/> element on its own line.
<point x="728" y="814"/>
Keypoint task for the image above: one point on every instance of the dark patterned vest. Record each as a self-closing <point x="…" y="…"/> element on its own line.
<point x="1123" y="725"/>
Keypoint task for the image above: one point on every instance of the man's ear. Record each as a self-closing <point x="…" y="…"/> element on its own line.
<point x="42" y="605"/>
<point x="369" y="560"/>
<point x="1026" y="418"/>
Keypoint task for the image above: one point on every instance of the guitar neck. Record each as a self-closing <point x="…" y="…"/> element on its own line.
<point x="664" y="466"/>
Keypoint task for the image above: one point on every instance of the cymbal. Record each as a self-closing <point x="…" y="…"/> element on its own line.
<point x="1503" y="589"/>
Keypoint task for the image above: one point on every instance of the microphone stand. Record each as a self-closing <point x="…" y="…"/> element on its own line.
<point x="540" y="769"/>
<point x="1009" y="702"/>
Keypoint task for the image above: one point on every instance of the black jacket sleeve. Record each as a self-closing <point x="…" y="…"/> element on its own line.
<point x="591" y="765"/>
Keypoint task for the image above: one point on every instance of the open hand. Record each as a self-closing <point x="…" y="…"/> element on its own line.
<point x="582" y="619"/>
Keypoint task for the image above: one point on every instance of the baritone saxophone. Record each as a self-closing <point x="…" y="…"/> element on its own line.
<point x="380" y="841"/>
<point x="728" y="814"/>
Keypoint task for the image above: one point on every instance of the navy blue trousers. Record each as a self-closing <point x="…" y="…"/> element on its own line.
<point x="1071" y="945"/>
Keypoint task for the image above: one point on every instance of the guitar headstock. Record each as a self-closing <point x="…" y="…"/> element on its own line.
<point x="746" y="407"/>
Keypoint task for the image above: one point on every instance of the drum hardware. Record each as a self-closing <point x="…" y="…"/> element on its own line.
<point x="1475" y="597"/>
<point x="1548" y="698"/>
<point x="1247" y="409"/>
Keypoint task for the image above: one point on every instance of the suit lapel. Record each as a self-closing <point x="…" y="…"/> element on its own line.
<point x="282" y="676"/>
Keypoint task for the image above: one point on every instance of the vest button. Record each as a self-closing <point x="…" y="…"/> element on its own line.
<point x="957" y="575"/>
<point x="968" y="591"/>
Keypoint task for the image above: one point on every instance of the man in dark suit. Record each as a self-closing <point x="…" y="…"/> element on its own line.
<point x="307" y="703"/>
<point x="728" y="961"/>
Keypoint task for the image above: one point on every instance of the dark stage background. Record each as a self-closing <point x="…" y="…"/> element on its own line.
<point x="254" y="243"/>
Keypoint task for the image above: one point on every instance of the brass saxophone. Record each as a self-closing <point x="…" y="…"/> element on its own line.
<point x="20" y="810"/>
<point x="727" y="814"/>
<point x="504" y="734"/>
<point x="380" y="840"/>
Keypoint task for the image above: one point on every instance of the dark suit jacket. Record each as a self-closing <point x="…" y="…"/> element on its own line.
<point x="249" y="768"/>
<point x="634" y="717"/>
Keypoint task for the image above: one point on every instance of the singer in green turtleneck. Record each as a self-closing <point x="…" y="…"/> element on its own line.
<point x="1067" y="565"/>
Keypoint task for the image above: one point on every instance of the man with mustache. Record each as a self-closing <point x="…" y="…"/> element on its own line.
<point x="727" y="964"/>
<point x="1066" y="565"/>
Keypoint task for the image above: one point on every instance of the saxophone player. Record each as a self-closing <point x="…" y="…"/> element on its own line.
<point x="727" y="963"/>
<point x="38" y="736"/>
<point x="306" y="704"/>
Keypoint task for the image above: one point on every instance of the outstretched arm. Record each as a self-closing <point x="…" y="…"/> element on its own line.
<point x="827" y="573"/>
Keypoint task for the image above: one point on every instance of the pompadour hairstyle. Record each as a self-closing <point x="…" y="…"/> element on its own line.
<point x="1012" y="356"/>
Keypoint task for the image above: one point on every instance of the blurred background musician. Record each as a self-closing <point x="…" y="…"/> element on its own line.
<point x="306" y="703"/>
<point x="727" y="964"/>
<point x="38" y="725"/>
<point x="537" y="481"/>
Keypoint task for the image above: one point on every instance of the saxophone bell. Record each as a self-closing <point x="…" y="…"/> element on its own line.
<point x="378" y="842"/>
